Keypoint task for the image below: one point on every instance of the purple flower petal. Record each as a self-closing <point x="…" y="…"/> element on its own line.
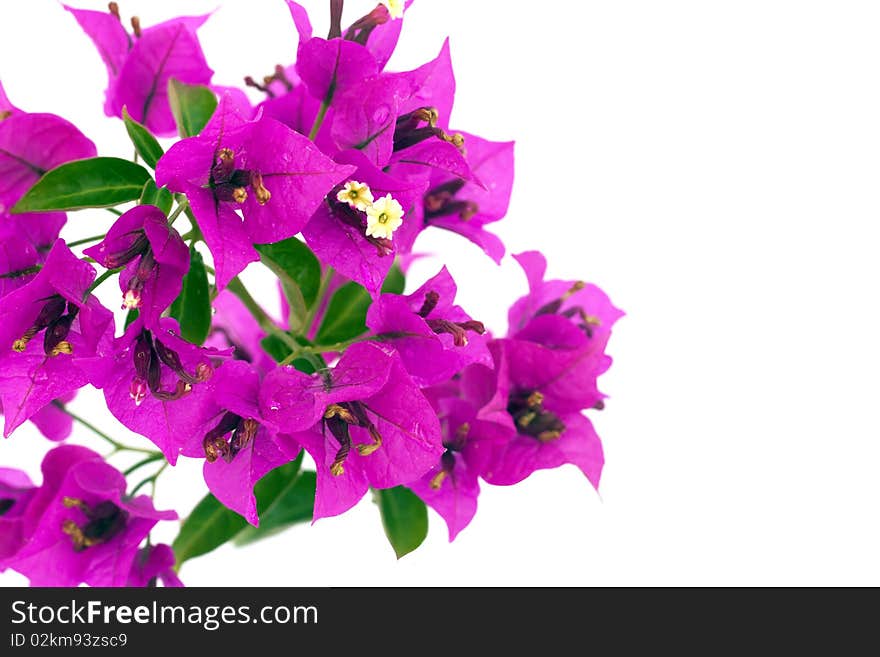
<point x="30" y="378"/>
<point x="168" y="51"/>
<point x="31" y="145"/>
<point x="77" y="482"/>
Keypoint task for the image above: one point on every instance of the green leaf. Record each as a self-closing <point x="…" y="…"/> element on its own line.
<point x="192" y="308"/>
<point x="395" y="281"/>
<point x="209" y="526"/>
<point x="300" y="274"/>
<point x="346" y="315"/>
<point x="98" y="182"/>
<point x="144" y="142"/>
<point x="285" y="497"/>
<point x="404" y="517"/>
<point x="132" y="315"/>
<point x="152" y="195"/>
<point x="192" y="106"/>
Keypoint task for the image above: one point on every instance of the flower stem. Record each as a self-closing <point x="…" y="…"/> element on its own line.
<point x="86" y="240"/>
<point x="182" y="205"/>
<point x="149" y="480"/>
<point x="322" y="112"/>
<point x="118" y="213"/>
<point x="152" y="458"/>
<point x="117" y="446"/>
<point x="310" y="353"/>
<point x="319" y="300"/>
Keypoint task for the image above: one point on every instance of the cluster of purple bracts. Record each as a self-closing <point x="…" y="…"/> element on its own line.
<point x="357" y="160"/>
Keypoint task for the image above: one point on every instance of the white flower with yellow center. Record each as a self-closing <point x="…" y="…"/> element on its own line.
<point x="356" y="194"/>
<point x="384" y="217"/>
<point x="395" y="7"/>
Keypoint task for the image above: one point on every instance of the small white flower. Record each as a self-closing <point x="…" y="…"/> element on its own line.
<point x="356" y="194"/>
<point x="384" y="217"/>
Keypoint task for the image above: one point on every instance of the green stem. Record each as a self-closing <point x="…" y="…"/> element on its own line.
<point x="182" y="205"/>
<point x="149" y="480"/>
<point x="117" y="446"/>
<point x="22" y="272"/>
<point x="86" y="240"/>
<point x="322" y="112"/>
<point x="319" y="300"/>
<point x="263" y="319"/>
<point x="118" y="213"/>
<point x="152" y="458"/>
<point x="311" y="353"/>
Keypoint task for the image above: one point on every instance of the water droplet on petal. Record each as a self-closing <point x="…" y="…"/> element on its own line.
<point x="381" y="114"/>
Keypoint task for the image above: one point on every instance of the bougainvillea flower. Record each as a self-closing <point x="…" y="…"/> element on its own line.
<point x="276" y="177"/>
<point x="16" y="490"/>
<point x="154" y="256"/>
<point x="434" y="337"/>
<point x="337" y="232"/>
<point x="79" y="526"/>
<point x="140" y="64"/>
<point x="50" y="329"/>
<point x="537" y="315"/>
<point x="330" y="66"/>
<point x="31" y="145"/>
<point x="451" y="487"/>
<point x="365" y="422"/>
<point x="153" y="564"/>
<point x="370" y="42"/>
<point x="153" y="383"/>
<point x="466" y="207"/>
<point x="237" y="443"/>
<point x="537" y="399"/>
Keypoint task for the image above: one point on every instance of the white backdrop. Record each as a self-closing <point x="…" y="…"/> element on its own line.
<point x="713" y="166"/>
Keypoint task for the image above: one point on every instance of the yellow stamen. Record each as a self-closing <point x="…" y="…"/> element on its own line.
<point x="73" y="503"/>
<point x="527" y="419"/>
<point x="63" y="347"/>
<point x="336" y="469"/>
<point x="5" y="114"/>
<point x="20" y="345"/>
<point x="239" y="195"/>
<point x="80" y="542"/>
<point x="535" y="400"/>
<point x="549" y="436"/>
<point x="369" y="448"/>
<point x="438" y="479"/>
<point x="263" y="194"/>
<point x="226" y="154"/>
<point x="335" y="410"/>
<point x="574" y="289"/>
<point x="456" y="139"/>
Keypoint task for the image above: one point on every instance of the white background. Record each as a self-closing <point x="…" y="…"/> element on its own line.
<point x="713" y="166"/>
